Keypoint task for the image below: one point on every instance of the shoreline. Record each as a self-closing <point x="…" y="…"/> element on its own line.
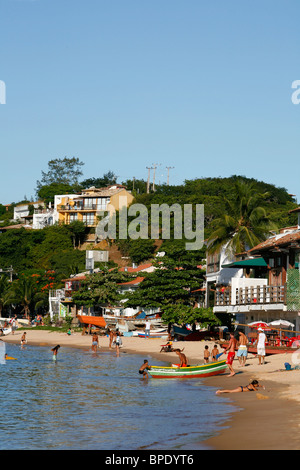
<point x="266" y="420"/>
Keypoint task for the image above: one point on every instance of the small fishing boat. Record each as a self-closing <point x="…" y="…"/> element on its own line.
<point x="155" y="333"/>
<point x="92" y="320"/>
<point x="190" y="372"/>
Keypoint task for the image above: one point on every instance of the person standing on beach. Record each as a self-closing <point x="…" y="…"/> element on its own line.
<point x="111" y="336"/>
<point x="214" y="353"/>
<point x="147" y="329"/>
<point x="206" y="355"/>
<point x="55" y="351"/>
<point x="231" y="354"/>
<point x="261" y="346"/>
<point x="242" y="349"/>
<point x="14" y="324"/>
<point x="95" y="342"/>
<point x="23" y="339"/>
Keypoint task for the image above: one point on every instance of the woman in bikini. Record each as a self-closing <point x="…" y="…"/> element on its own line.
<point x="252" y="387"/>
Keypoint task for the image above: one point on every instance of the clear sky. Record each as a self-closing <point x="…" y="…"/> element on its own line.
<point x="202" y="86"/>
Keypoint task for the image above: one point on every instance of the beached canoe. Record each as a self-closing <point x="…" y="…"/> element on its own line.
<point x="202" y="370"/>
<point x="92" y="320"/>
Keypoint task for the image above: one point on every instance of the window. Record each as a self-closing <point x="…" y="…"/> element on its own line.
<point x="73" y="216"/>
<point x="102" y="203"/>
<point x="88" y="218"/>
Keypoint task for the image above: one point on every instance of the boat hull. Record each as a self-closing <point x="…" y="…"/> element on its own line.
<point x="192" y="372"/>
<point x="91" y="320"/>
<point x="5" y="331"/>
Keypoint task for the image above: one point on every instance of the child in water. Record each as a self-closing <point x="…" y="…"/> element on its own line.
<point x="55" y="351"/>
<point x="143" y="369"/>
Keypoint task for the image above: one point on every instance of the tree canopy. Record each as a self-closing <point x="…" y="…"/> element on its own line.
<point x="61" y="171"/>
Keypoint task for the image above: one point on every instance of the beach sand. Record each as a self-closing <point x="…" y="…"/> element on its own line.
<point x="266" y="420"/>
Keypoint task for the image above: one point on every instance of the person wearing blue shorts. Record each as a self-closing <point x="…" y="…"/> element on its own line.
<point x="242" y="349"/>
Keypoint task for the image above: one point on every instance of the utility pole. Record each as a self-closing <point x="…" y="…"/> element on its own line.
<point x="148" y="181"/>
<point x="169" y="168"/>
<point x="153" y="184"/>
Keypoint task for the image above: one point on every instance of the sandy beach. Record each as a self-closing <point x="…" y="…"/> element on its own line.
<point x="265" y="420"/>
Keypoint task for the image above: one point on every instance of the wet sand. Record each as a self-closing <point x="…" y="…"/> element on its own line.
<point x="266" y="420"/>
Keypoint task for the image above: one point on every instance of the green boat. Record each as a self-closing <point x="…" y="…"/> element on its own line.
<point x="190" y="372"/>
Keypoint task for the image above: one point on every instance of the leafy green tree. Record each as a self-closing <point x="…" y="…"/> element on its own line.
<point x="62" y="171"/>
<point x="67" y="262"/>
<point x="77" y="230"/>
<point x="107" y="179"/>
<point x="56" y="239"/>
<point x="15" y="248"/>
<point x="48" y="191"/>
<point x="137" y="186"/>
<point x="182" y="314"/>
<point x="138" y="250"/>
<point x="100" y="288"/>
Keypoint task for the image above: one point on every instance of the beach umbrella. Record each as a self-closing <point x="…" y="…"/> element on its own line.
<point x="259" y="324"/>
<point x="282" y="324"/>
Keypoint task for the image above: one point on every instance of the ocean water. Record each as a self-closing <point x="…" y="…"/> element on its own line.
<point x="97" y="401"/>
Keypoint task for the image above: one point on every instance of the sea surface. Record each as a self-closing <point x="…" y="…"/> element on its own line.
<point x="97" y="401"/>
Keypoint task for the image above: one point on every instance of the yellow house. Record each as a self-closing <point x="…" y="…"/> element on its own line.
<point x="85" y="207"/>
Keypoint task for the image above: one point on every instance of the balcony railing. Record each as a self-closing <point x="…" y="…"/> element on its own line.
<point x="251" y="295"/>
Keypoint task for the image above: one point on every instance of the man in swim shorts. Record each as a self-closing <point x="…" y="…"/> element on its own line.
<point x="143" y="369"/>
<point x="242" y="348"/>
<point x="182" y="357"/>
<point x="231" y="354"/>
<point x="94" y="342"/>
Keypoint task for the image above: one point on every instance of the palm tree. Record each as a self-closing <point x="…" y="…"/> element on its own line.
<point x="244" y="223"/>
<point x="23" y="292"/>
<point x="4" y="286"/>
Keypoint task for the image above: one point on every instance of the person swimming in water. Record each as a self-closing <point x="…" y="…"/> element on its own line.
<point x="252" y="387"/>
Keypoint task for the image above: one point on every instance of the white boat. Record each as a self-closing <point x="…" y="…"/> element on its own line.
<point x="5" y="331"/>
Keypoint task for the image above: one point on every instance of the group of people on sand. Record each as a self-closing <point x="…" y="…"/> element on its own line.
<point x="242" y="353"/>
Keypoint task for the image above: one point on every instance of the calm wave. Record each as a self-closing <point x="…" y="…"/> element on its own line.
<point x="98" y="401"/>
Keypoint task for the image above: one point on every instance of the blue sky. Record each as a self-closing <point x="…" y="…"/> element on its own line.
<point x="204" y="87"/>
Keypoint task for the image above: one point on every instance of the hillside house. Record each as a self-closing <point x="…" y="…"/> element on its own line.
<point x="87" y="206"/>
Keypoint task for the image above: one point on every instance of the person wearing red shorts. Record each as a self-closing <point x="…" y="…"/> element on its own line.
<point x="231" y="354"/>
